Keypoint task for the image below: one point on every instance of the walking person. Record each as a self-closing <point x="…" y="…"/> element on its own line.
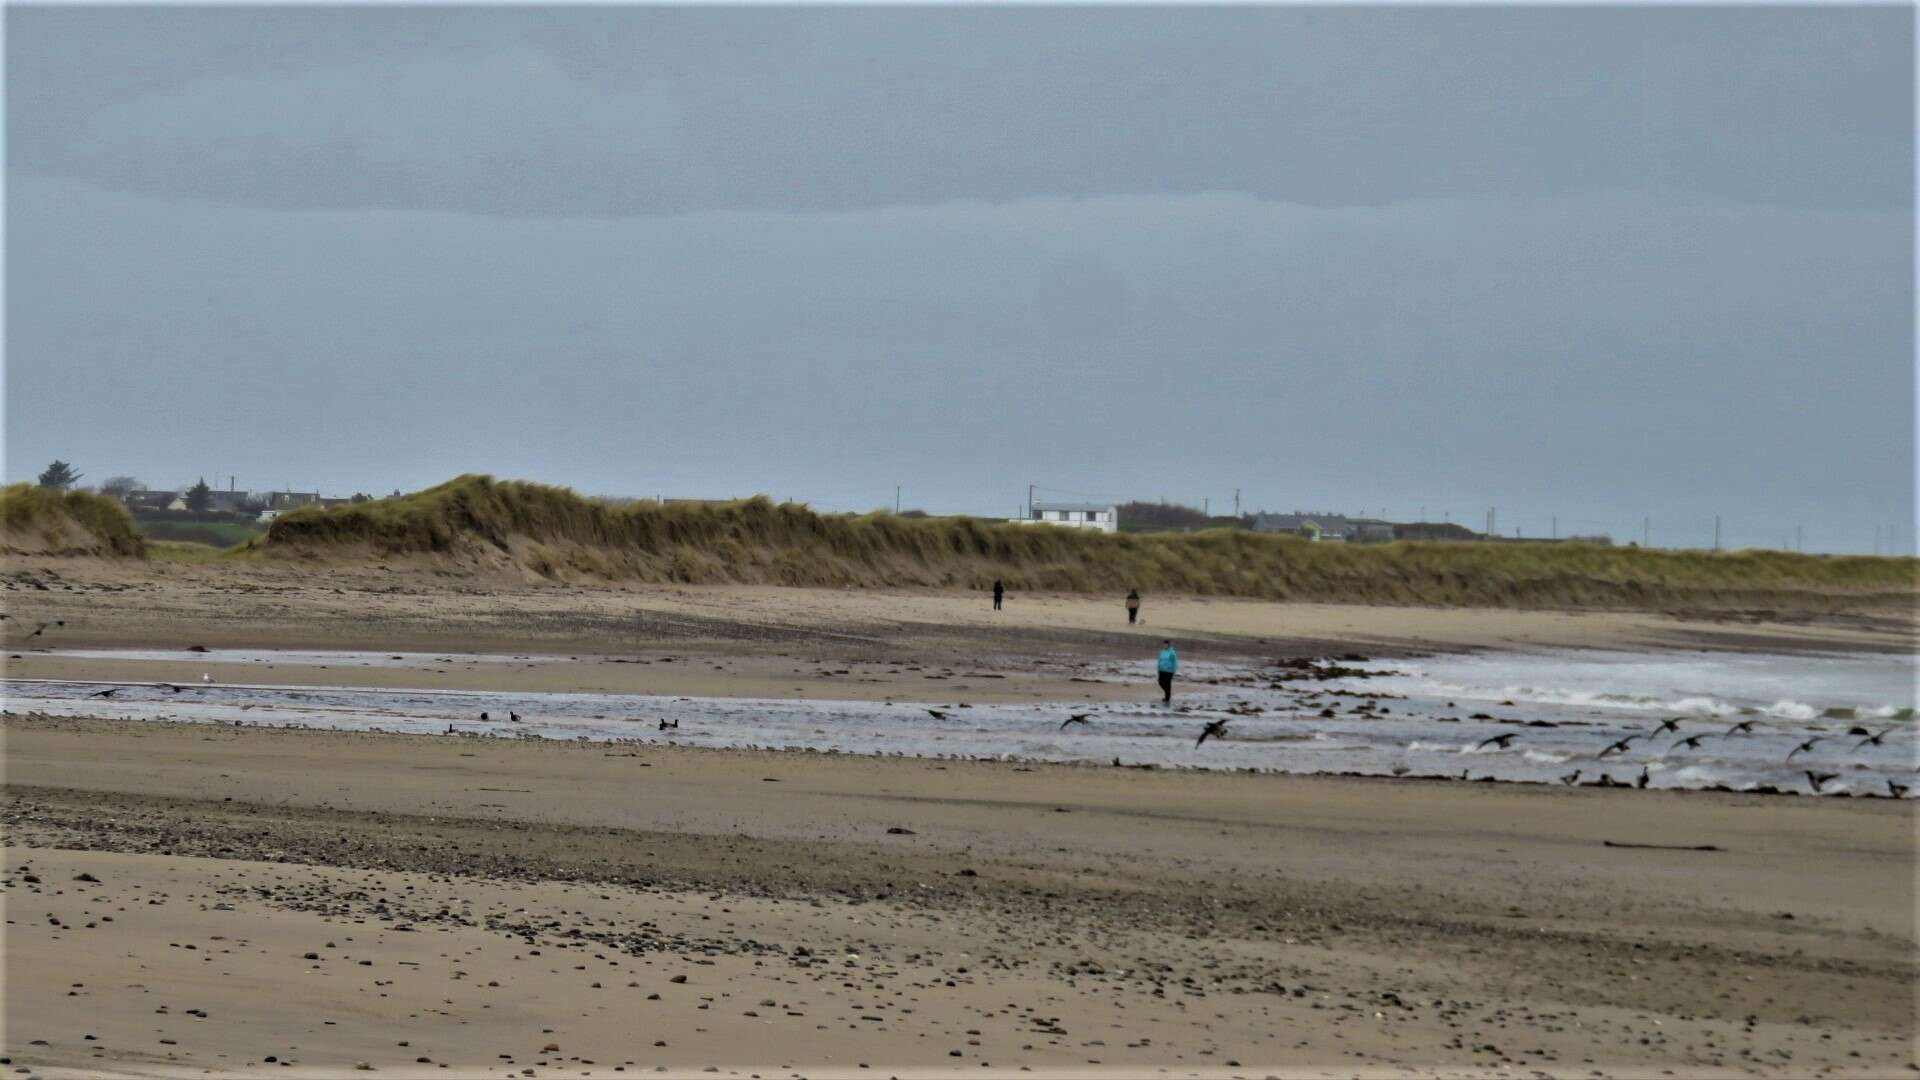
<point x="1169" y="666"/>
<point x="1133" y="606"/>
<point x="999" y="591"/>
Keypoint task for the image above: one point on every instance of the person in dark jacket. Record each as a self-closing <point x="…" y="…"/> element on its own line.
<point x="1133" y="605"/>
<point x="999" y="591"/>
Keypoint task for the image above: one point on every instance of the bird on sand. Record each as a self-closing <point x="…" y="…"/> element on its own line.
<point x="1215" y="729"/>
<point x="1817" y="779"/>
<point x="1808" y="745"/>
<point x="108" y="692"/>
<point x="1666" y="726"/>
<point x="1621" y="746"/>
<point x="1899" y="791"/>
<point x="1571" y="778"/>
<point x="1076" y="718"/>
<point x="1691" y="742"/>
<point x="1643" y="779"/>
<point x="1744" y="727"/>
<point x="1498" y="740"/>
<point x="937" y="714"/>
<point x="1874" y="740"/>
<point x="672" y="725"/>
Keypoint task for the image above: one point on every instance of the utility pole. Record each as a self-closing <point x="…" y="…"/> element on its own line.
<point x="1203" y="506"/>
<point x="1716" y="532"/>
<point x="1646" y="532"/>
<point x="896" y="498"/>
<point x="1030" y="502"/>
<point x="1236" y="502"/>
<point x="1554" y="534"/>
<point x="1798" y="539"/>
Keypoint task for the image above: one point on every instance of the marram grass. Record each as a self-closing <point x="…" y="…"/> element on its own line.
<point x="554" y="532"/>
<point x="42" y="521"/>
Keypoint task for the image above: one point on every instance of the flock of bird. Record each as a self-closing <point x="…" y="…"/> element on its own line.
<point x="1815" y="780"/>
<point x="1216" y="729"/>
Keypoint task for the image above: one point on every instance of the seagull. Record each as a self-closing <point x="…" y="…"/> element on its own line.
<point x="673" y="725"/>
<point x="1899" y="790"/>
<point x="108" y="692"/>
<point x="937" y="714"/>
<point x="1571" y="778"/>
<point x="1215" y="729"/>
<point x="1691" y="742"/>
<point x="1808" y="745"/>
<point x="205" y="678"/>
<point x="1816" y="779"/>
<point x="1643" y="779"/>
<point x="1666" y="725"/>
<point x="1874" y="740"/>
<point x="1744" y="727"/>
<point x="1621" y="746"/>
<point x="1076" y="718"/>
<point x="1498" y="740"/>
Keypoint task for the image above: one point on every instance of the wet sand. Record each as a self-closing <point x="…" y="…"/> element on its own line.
<point x="495" y="906"/>
<point x="1047" y="917"/>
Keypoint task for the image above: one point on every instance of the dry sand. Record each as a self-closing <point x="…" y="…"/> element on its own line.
<point x="497" y="906"/>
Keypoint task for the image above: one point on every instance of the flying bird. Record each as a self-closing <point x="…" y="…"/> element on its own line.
<point x="172" y="687"/>
<point x="1816" y="779"/>
<point x="1498" y="740"/>
<point x="1744" y="727"/>
<point x="1691" y="742"/>
<point x="937" y="714"/>
<point x="1874" y="740"/>
<point x="108" y="692"/>
<point x="1666" y="726"/>
<point x="1621" y="746"/>
<point x="1808" y="745"/>
<point x="670" y="725"/>
<point x="1215" y="729"/>
<point x="1076" y="718"/>
<point x="484" y="716"/>
<point x="38" y="630"/>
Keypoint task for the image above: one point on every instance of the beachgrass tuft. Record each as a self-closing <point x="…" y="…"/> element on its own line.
<point x="44" y="521"/>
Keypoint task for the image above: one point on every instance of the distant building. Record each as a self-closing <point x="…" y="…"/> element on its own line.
<point x="288" y="500"/>
<point x="1326" y="527"/>
<point x="154" y="500"/>
<point x="1101" y="517"/>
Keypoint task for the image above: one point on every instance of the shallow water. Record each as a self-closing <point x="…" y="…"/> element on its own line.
<point x="1421" y="722"/>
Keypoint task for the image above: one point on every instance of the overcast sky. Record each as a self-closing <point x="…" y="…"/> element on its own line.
<point x="1600" y="265"/>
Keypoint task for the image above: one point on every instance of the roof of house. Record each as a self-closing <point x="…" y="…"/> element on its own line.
<point x="1073" y="506"/>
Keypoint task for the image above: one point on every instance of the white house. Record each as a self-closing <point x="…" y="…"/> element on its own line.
<point x="1104" y="517"/>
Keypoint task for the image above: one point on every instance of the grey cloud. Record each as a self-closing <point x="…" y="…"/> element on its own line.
<point x="823" y="109"/>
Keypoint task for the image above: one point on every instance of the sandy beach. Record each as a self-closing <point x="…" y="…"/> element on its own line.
<point x="184" y="898"/>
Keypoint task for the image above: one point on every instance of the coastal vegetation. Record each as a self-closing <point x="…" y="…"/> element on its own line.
<point x="480" y="523"/>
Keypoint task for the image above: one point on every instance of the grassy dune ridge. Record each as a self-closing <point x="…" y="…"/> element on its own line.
<point x="40" y="521"/>
<point x="553" y="532"/>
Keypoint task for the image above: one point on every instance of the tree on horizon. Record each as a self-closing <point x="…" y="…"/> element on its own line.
<point x="59" y="476"/>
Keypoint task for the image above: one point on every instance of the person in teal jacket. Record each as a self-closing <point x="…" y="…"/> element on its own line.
<point x="1169" y="666"/>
